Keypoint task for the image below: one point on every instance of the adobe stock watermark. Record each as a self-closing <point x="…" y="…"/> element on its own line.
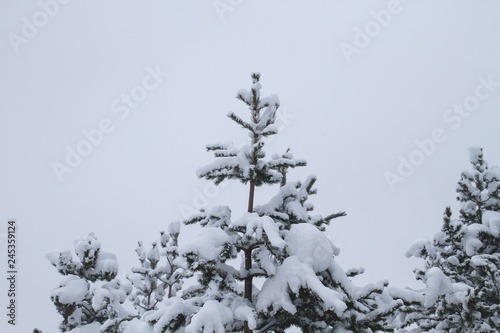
<point x="453" y="117"/>
<point x="202" y="195"/>
<point x="31" y="26"/>
<point x="121" y="107"/>
<point x="381" y="19"/>
<point x="223" y="6"/>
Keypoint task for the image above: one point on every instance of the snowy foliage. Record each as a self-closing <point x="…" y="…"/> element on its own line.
<point x="89" y="292"/>
<point x="247" y="163"/>
<point x="462" y="262"/>
<point x="304" y="286"/>
<point x="281" y="243"/>
<point x="90" y="295"/>
<point x="290" y="206"/>
<point x="161" y="272"/>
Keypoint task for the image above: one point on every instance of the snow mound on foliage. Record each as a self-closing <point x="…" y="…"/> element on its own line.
<point x="311" y="246"/>
<point x="437" y="284"/>
<point x="137" y="326"/>
<point x="211" y="318"/>
<point x="416" y="248"/>
<point x="258" y="226"/>
<point x="474" y="154"/>
<point x="208" y="244"/>
<point x="492" y="220"/>
<point x="72" y="290"/>
<point x="295" y="274"/>
<point x="471" y="240"/>
<point x="107" y="264"/>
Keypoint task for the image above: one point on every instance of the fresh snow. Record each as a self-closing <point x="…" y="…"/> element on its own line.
<point x="474" y="154"/>
<point x="491" y="219"/>
<point x="210" y="318"/>
<point x="258" y="225"/>
<point x="416" y="248"/>
<point x="311" y="246"/>
<point x="437" y="284"/>
<point x="208" y="243"/>
<point x="294" y="274"/>
<point x="72" y="289"/>
<point x="471" y="241"/>
<point x="272" y="232"/>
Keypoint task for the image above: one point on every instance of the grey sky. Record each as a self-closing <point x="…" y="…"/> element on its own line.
<point x="350" y="117"/>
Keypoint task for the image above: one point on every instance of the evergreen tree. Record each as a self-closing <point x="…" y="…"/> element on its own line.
<point x="160" y="274"/>
<point x="248" y="165"/>
<point x="462" y="262"/>
<point x="280" y="242"/>
<point x="89" y="291"/>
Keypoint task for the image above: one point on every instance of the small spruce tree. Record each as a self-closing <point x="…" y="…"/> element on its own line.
<point x="462" y="262"/>
<point x="160" y="274"/>
<point x="75" y="298"/>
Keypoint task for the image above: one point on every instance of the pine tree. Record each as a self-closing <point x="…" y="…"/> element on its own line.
<point x="83" y="296"/>
<point x="280" y="242"/>
<point x="248" y="165"/>
<point x="160" y="274"/>
<point x="462" y="262"/>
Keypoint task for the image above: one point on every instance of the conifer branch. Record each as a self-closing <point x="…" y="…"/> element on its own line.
<point x="240" y="121"/>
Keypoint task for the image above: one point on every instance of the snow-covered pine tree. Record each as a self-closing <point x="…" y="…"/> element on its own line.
<point x="462" y="262"/>
<point x="176" y="271"/>
<point x="160" y="274"/>
<point x="145" y="280"/>
<point x="280" y="242"/>
<point x="248" y="164"/>
<point x="89" y="291"/>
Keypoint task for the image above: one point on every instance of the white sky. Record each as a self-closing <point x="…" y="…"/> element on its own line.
<point x="350" y="120"/>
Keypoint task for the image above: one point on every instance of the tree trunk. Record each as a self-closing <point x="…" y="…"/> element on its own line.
<point x="248" y="255"/>
<point x="248" y="282"/>
<point x="250" y="196"/>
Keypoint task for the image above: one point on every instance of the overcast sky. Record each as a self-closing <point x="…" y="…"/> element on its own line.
<point x="360" y="83"/>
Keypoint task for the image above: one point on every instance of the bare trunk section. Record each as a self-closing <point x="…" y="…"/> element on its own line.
<point x="248" y="255"/>
<point x="248" y="282"/>
<point x="250" y="196"/>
